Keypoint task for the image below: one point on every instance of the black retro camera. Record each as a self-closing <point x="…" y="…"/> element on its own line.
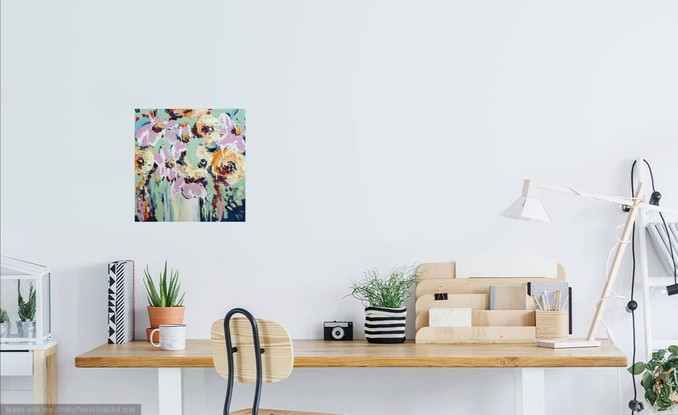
<point x="338" y="330"/>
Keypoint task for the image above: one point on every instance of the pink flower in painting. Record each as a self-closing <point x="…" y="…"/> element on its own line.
<point x="189" y="190"/>
<point x="166" y="165"/>
<point x="172" y="131"/>
<point x="231" y="134"/>
<point x="178" y="150"/>
<point x="147" y="134"/>
<point x="185" y="133"/>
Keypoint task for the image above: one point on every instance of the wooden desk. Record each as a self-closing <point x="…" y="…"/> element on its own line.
<point x="528" y="360"/>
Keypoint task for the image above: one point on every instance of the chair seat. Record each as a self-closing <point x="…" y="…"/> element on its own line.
<point x="277" y="412"/>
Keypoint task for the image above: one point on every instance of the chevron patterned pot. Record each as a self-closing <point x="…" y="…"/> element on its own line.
<point x="385" y="325"/>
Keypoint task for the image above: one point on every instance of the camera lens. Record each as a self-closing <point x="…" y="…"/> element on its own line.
<point x="337" y="333"/>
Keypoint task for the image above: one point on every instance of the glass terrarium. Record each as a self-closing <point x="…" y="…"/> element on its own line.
<point x="25" y="307"/>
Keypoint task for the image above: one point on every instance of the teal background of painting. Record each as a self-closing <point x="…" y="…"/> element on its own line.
<point x="158" y="188"/>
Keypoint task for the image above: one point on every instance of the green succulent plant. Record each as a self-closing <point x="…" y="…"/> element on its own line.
<point x="660" y="378"/>
<point x="166" y="293"/>
<point x="26" y="308"/>
<point x="4" y="317"/>
<point x="390" y="291"/>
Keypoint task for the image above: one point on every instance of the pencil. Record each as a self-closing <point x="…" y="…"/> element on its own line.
<point x="567" y="297"/>
<point x="536" y="302"/>
<point x="557" y="307"/>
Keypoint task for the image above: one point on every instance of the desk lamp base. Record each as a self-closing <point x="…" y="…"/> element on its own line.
<point x="568" y="343"/>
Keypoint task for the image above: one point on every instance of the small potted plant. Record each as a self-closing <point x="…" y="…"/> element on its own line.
<point x="165" y="306"/>
<point x="384" y="299"/>
<point x="5" y="325"/>
<point x="660" y="378"/>
<point x="26" y="309"/>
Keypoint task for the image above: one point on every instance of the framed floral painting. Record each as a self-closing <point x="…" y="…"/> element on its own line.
<point x="189" y="165"/>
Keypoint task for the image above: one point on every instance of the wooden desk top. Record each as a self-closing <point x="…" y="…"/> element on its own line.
<point x="359" y="353"/>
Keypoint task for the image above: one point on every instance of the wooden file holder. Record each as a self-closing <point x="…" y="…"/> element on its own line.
<point x="488" y="326"/>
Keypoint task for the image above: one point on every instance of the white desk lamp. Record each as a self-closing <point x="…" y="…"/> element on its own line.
<point x="529" y="207"/>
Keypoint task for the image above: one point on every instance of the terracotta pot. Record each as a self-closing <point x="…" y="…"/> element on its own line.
<point x="163" y="315"/>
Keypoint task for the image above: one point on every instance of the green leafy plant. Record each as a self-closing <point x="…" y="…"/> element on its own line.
<point x="166" y="293"/>
<point x="660" y="378"/>
<point x="390" y="291"/>
<point x="4" y="317"/>
<point x="26" y="308"/>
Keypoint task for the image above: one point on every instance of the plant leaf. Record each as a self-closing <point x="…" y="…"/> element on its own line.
<point x="167" y="290"/>
<point x="152" y="293"/>
<point x="648" y="381"/>
<point x="664" y="401"/>
<point x="673" y="349"/>
<point x="650" y="396"/>
<point x="637" y="368"/>
<point x="162" y="286"/>
<point x="659" y="354"/>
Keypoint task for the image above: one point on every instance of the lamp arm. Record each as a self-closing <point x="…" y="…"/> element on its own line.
<point x="656" y="208"/>
<point x="616" y="263"/>
<point x="531" y="187"/>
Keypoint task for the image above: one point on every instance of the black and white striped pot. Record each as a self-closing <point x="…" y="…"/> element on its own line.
<point x="385" y="325"/>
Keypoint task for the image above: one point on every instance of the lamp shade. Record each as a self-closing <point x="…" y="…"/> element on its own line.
<point x="527" y="208"/>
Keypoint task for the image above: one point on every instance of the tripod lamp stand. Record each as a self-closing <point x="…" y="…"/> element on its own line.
<point x="529" y="207"/>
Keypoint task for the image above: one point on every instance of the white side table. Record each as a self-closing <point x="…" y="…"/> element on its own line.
<point x="39" y="361"/>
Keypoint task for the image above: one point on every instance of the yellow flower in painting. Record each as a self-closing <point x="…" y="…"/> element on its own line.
<point x="181" y="112"/>
<point x="201" y="113"/>
<point x="204" y="156"/>
<point x="207" y="128"/>
<point x="143" y="160"/>
<point x="228" y="165"/>
<point x="176" y="113"/>
<point x="193" y="173"/>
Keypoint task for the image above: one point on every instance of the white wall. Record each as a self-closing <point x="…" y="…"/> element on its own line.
<point x="380" y="132"/>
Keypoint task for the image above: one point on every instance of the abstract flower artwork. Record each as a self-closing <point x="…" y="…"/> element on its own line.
<point x="190" y="165"/>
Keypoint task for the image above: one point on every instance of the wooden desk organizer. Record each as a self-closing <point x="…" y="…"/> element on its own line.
<point x="487" y="326"/>
<point x="552" y="324"/>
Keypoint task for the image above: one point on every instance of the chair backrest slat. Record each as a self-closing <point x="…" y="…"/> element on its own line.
<point x="277" y="359"/>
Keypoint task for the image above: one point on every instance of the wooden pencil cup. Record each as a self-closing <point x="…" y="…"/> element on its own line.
<point x="552" y="324"/>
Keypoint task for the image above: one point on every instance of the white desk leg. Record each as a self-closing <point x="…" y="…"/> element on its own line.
<point x="530" y="391"/>
<point x="169" y="391"/>
<point x="194" y="391"/>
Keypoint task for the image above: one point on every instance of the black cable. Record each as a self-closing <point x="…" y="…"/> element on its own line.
<point x="633" y="312"/>
<point x="632" y="303"/>
<point x="633" y="321"/>
<point x="661" y="215"/>
<point x="633" y="287"/>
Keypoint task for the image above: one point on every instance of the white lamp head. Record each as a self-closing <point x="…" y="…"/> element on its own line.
<point x="528" y="206"/>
